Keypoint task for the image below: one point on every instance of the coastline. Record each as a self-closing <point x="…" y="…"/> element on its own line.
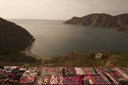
<point x="28" y="51"/>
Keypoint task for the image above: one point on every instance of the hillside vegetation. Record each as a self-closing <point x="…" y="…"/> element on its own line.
<point x="73" y="59"/>
<point x="80" y="59"/>
<point x="15" y="57"/>
<point x="13" y="36"/>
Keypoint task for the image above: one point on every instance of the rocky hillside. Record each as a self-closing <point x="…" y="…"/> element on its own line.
<point x="102" y="20"/>
<point x="13" y="36"/>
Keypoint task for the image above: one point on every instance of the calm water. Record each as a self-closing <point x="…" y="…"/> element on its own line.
<point x="55" y="38"/>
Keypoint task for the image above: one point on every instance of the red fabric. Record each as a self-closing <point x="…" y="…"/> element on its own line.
<point x="21" y="71"/>
<point x="79" y="79"/>
<point x="17" y="68"/>
<point x="11" y="75"/>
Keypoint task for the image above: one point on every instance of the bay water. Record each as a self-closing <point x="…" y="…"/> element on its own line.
<point x="55" y="38"/>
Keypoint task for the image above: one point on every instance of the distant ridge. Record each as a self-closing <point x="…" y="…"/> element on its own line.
<point x="120" y="22"/>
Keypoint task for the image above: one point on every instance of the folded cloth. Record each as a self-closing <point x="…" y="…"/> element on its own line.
<point x="17" y="77"/>
<point x="23" y="79"/>
<point x="15" y="71"/>
<point x="19" y="73"/>
<point x="13" y="67"/>
<point x="6" y="67"/>
<point x="24" y="76"/>
<point x="1" y="80"/>
<point x="4" y="70"/>
<point x="3" y="76"/>
<point x="27" y="73"/>
<point x="31" y="77"/>
<point x="23" y="69"/>
<point x="14" y="81"/>
<point x="34" y="68"/>
<point x="8" y="71"/>
<point x="17" y="68"/>
<point x="30" y="80"/>
<point x="79" y="79"/>
<point x="23" y="82"/>
<point x="29" y="68"/>
<point x="33" y="74"/>
<point x="6" y="79"/>
<point x="33" y="71"/>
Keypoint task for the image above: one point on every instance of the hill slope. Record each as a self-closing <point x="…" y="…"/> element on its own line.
<point x="13" y="36"/>
<point x="102" y="20"/>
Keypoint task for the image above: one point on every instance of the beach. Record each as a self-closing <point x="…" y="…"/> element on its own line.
<point x="28" y="51"/>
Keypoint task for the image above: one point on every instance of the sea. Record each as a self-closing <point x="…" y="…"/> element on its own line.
<point x="53" y="38"/>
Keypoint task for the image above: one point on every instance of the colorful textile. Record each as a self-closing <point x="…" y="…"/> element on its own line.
<point x="61" y="75"/>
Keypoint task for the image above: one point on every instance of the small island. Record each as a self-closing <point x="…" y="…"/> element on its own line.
<point x="120" y="22"/>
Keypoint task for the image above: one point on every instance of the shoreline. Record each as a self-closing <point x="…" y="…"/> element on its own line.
<point x="29" y="53"/>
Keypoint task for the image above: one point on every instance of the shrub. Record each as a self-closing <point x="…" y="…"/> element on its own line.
<point x="105" y="56"/>
<point x="91" y="55"/>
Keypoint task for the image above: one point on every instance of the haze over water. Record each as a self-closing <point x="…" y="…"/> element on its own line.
<point x="55" y="38"/>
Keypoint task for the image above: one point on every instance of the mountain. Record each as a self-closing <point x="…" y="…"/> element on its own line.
<point x="13" y="36"/>
<point x="102" y="20"/>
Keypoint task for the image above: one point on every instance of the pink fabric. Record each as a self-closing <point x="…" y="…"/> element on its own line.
<point x="61" y="80"/>
<point x="71" y="80"/>
<point x="112" y="78"/>
<point x="64" y="78"/>
<point x="34" y="68"/>
<point x="117" y="72"/>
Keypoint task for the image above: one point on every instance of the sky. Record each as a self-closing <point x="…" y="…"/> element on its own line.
<point x="59" y="9"/>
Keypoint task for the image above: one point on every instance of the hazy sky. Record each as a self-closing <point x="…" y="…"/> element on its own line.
<point x="59" y="9"/>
